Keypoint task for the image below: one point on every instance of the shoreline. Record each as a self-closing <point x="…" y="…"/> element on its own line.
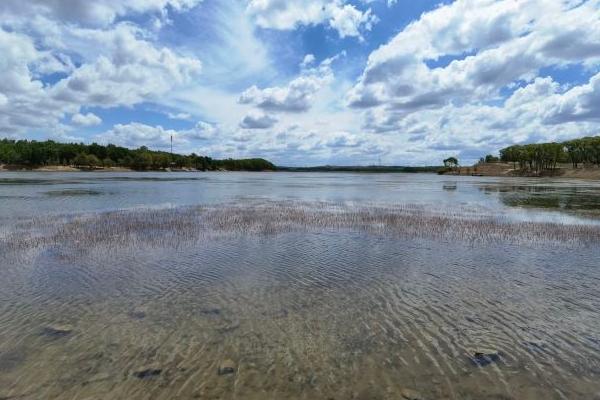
<point x="68" y="168"/>
<point x="507" y="170"/>
<point x="503" y="170"/>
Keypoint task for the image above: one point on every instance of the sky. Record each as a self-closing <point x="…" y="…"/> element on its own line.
<point x="302" y="82"/>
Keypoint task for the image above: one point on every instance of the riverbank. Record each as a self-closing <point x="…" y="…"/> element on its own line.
<point x="64" y="168"/>
<point x="71" y="168"/>
<point x="368" y="168"/>
<point x="508" y="170"/>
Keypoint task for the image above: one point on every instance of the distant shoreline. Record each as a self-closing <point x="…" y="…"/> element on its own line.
<point x="368" y="169"/>
<point x="500" y="169"/>
<point x="484" y="170"/>
<point x="355" y="169"/>
<point x="70" y="168"/>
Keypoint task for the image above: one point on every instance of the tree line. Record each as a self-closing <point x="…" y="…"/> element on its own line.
<point x="31" y="153"/>
<point x="546" y="156"/>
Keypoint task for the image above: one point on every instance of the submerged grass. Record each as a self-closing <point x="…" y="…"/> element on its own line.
<point x="176" y="226"/>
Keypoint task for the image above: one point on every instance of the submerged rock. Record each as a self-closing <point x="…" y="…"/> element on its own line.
<point x="227" y="326"/>
<point x="484" y="356"/>
<point x="410" y="394"/>
<point x="57" y="330"/>
<point x="147" y="372"/>
<point x="226" y="367"/>
<point x="138" y="313"/>
<point x="210" y="311"/>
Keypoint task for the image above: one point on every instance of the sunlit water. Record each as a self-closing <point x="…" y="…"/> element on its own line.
<point x="322" y="314"/>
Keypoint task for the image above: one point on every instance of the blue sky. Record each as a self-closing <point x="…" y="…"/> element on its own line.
<point x="302" y="82"/>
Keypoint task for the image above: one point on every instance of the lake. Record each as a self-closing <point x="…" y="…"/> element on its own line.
<point x="298" y="286"/>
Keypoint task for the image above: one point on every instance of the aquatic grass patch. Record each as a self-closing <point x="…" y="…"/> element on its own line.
<point x="175" y="226"/>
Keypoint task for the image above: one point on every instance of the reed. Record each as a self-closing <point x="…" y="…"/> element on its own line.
<point x="176" y="226"/>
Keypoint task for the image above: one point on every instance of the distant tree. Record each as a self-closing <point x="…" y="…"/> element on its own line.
<point x="451" y="162"/>
<point x="80" y="160"/>
<point x="86" y="160"/>
<point x="491" y="159"/>
<point x="34" y="153"/>
<point x="92" y="160"/>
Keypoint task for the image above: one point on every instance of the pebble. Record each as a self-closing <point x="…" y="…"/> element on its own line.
<point x="57" y="330"/>
<point x="410" y="394"/>
<point x="226" y="367"/>
<point x="484" y="356"/>
<point x="147" y="372"/>
<point x="485" y="353"/>
<point x="138" y="313"/>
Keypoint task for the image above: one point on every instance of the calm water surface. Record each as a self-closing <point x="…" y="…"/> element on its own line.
<point x="322" y="315"/>
<point x="24" y="194"/>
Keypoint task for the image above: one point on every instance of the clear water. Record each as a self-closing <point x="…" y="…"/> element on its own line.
<point x="329" y="314"/>
<point x="24" y="194"/>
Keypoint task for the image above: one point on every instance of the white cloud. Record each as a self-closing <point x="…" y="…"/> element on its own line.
<point x="97" y="12"/>
<point x="434" y="106"/>
<point x="344" y="18"/>
<point x="258" y="120"/>
<point x="131" y="70"/>
<point x="296" y="96"/>
<point x="181" y="116"/>
<point x="26" y="100"/>
<point x="307" y="61"/>
<point x="348" y="21"/>
<point x="580" y="103"/>
<point x="496" y="44"/>
<point x="136" y="134"/>
<point x="88" y="119"/>
<point x="126" y="70"/>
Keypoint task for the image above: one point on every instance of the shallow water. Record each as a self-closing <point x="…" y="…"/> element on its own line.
<point x="322" y="313"/>
<point x="25" y="194"/>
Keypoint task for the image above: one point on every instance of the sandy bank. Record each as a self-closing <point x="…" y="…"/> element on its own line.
<point x="508" y="169"/>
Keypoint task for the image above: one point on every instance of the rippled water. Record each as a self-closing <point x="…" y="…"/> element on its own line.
<point x="322" y="313"/>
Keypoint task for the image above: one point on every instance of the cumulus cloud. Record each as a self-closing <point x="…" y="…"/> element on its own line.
<point x="296" y="96"/>
<point x="201" y="131"/>
<point x="257" y="120"/>
<point x="580" y="103"/>
<point x="96" y="13"/>
<point x="465" y="76"/>
<point x="344" y="18"/>
<point x="181" y="116"/>
<point x="307" y="61"/>
<point x="26" y="102"/>
<point x="126" y="70"/>
<point x="136" y="134"/>
<point x="348" y="21"/>
<point x="131" y="71"/>
<point x="88" y="119"/>
<point x="493" y="44"/>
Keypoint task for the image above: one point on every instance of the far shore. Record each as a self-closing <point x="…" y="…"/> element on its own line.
<point x="71" y="168"/>
<point x="496" y="169"/>
<point x="501" y="169"/>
